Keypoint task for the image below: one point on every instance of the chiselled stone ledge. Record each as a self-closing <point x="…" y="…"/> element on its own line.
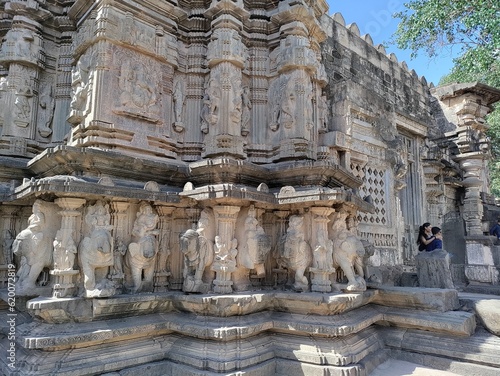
<point x="36" y="335"/>
<point x="78" y="309"/>
<point x="418" y="298"/>
<point x="463" y="355"/>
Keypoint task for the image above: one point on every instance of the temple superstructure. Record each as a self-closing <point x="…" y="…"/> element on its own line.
<point x="167" y="161"/>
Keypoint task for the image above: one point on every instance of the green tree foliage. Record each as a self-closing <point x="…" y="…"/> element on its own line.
<point x="473" y="27"/>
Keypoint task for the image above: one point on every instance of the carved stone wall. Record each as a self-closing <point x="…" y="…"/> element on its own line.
<point x="152" y="150"/>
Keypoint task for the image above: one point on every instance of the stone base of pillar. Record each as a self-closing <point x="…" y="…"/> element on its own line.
<point x="63" y="284"/>
<point x="161" y="281"/>
<point x="320" y="281"/>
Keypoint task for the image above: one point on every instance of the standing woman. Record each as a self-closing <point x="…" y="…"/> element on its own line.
<point x="424" y="236"/>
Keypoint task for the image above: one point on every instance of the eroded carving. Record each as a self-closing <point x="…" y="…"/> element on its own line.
<point x="96" y="252"/>
<point x="256" y="247"/>
<point x="33" y="250"/>
<point x="198" y="254"/>
<point x="295" y="254"/>
<point x="141" y="255"/>
<point x="348" y="253"/>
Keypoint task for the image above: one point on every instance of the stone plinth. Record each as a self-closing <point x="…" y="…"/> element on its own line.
<point x="433" y="269"/>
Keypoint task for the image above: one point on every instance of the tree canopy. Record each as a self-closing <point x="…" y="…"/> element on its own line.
<point x="473" y="27"/>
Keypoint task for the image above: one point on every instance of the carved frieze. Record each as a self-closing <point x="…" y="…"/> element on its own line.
<point x="139" y="88"/>
<point x="226" y="45"/>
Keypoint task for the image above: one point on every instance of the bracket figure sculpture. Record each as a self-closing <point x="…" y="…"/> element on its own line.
<point x="141" y="256"/>
<point x="224" y="265"/>
<point x="322" y="264"/>
<point x="198" y="255"/>
<point x="295" y="253"/>
<point x="257" y="245"/>
<point x="96" y="252"/>
<point x="64" y="259"/>
<point x="348" y="253"/>
<point x="32" y="249"/>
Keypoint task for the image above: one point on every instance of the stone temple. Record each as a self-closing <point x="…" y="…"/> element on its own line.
<point x="234" y="187"/>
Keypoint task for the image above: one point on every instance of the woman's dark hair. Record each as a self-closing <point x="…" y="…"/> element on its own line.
<point x="421" y="231"/>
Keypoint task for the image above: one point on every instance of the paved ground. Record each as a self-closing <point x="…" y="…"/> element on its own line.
<point x="394" y="367"/>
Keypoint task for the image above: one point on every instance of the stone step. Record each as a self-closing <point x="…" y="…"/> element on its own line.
<point x="476" y="355"/>
<point x="79" y="309"/>
<point x="37" y="335"/>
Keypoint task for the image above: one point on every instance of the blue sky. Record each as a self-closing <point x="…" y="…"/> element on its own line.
<point x="374" y="17"/>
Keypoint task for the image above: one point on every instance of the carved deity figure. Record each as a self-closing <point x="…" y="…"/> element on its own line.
<point x="295" y="254"/>
<point x="348" y="252"/>
<point x="46" y="111"/>
<point x="178" y="99"/>
<point x="197" y="250"/>
<point x="245" y="111"/>
<point x="225" y="257"/>
<point x="64" y="252"/>
<point x="8" y="240"/>
<point x="80" y="82"/>
<point x="210" y="109"/>
<point x="35" y="247"/>
<point x="118" y="254"/>
<point x="137" y="87"/>
<point x="322" y="114"/>
<point x="323" y="253"/>
<point x="397" y="153"/>
<point x="22" y="103"/>
<point x="256" y="247"/>
<point x="96" y="251"/>
<point x="141" y="256"/>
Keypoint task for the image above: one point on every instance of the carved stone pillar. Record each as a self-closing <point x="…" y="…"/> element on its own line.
<point x="225" y="247"/>
<point x="119" y="220"/>
<point x="280" y="273"/>
<point x="65" y="247"/>
<point x="322" y="251"/>
<point x="222" y="109"/>
<point x="162" y="270"/>
<point x="473" y="206"/>
<point x="7" y="237"/>
<point x="21" y="53"/>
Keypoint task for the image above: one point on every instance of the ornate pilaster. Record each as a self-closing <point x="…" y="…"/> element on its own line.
<point x="224" y="92"/>
<point x="162" y="270"/>
<point x="119" y="220"/>
<point x="7" y="236"/>
<point x="225" y="247"/>
<point x="22" y="54"/>
<point x="65" y="247"/>
<point x="322" y="251"/>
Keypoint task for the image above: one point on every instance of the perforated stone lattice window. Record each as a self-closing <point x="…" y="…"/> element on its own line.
<point x="374" y="186"/>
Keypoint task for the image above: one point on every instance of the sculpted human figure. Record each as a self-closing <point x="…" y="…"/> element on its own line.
<point x="210" y="110"/>
<point x="46" y="111"/>
<point x="198" y="254"/>
<point x="178" y="99"/>
<point x="141" y="255"/>
<point x="322" y="114"/>
<point x="256" y="247"/>
<point x="323" y="253"/>
<point x="35" y="247"/>
<point x="246" y="111"/>
<point x="348" y="252"/>
<point x="296" y="252"/>
<point x="80" y="83"/>
<point x="64" y="252"/>
<point x="22" y="104"/>
<point x="96" y="251"/>
<point x="118" y="254"/>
